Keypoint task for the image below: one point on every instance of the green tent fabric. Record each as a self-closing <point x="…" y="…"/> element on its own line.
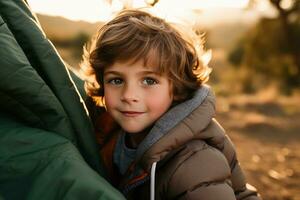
<point x="47" y="145"/>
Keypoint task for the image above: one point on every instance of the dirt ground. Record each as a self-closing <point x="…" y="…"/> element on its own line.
<point x="265" y="129"/>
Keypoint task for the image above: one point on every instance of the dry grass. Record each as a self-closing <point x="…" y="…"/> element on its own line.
<point x="265" y="129"/>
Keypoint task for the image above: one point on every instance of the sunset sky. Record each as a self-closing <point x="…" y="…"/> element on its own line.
<point x="100" y="10"/>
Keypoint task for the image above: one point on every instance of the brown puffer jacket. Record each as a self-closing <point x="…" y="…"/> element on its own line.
<point x="194" y="158"/>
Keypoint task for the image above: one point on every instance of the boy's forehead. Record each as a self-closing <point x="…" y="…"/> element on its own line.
<point x="147" y="63"/>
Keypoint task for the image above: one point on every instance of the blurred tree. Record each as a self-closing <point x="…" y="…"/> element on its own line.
<point x="76" y="41"/>
<point x="272" y="46"/>
<point x="80" y="39"/>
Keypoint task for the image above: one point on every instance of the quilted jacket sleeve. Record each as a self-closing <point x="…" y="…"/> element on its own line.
<point x="207" y="181"/>
<point x="242" y="190"/>
<point x="205" y="173"/>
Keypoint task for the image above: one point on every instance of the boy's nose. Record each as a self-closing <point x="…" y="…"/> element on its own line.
<point x="129" y="94"/>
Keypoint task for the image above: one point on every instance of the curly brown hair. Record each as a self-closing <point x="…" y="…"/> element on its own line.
<point x="135" y="35"/>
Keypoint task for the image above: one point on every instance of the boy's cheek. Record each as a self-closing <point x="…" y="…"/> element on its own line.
<point x="158" y="105"/>
<point x="110" y="100"/>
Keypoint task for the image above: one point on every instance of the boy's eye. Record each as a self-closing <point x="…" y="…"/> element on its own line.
<point x="115" y="81"/>
<point x="149" y="81"/>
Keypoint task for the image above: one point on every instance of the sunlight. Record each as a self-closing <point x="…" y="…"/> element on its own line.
<point x="207" y="4"/>
<point x="101" y="10"/>
<point x="286" y="4"/>
<point x="187" y="11"/>
<point x="89" y="10"/>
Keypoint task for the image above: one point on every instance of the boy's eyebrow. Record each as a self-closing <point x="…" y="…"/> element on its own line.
<point x="149" y="72"/>
<point x="112" y="72"/>
<point x="140" y="73"/>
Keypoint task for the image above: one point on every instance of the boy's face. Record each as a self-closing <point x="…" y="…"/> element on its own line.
<point x="136" y="96"/>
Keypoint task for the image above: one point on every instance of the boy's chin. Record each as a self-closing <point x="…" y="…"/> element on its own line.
<point x="132" y="130"/>
<point x="136" y="130"/>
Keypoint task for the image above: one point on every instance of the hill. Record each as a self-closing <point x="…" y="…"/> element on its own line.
<point x="224" y="36"/>
<point x="61" y="28"/>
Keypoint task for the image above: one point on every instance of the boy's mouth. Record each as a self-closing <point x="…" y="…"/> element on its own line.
<point x="132" y="113"/>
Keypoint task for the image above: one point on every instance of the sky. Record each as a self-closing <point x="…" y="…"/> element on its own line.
<point x="100" y="10"/>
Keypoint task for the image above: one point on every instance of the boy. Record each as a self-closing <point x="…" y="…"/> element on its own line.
<point x="158" y="137"/>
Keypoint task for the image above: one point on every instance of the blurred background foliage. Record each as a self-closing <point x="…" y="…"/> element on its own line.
<point x="271" y="49"/>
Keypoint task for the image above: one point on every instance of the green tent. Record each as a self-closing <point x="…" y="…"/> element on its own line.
<point x="47" y="145"/>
